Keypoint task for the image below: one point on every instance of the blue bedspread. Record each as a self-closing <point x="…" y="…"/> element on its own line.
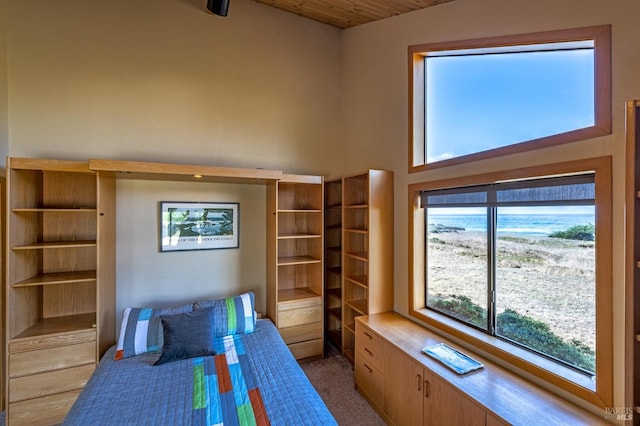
<point x="133" y="391"/>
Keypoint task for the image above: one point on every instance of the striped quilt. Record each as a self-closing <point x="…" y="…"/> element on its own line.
<point x="250" y="368"/>
<point x="224" y="390"/>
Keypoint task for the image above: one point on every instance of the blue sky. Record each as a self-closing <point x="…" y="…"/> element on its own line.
<point x="486" y="101"/>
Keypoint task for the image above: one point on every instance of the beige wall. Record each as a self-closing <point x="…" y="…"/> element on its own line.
<point x="148" y="277"/>
<point x="375" y="73"/>
<point x="164" y="80"/>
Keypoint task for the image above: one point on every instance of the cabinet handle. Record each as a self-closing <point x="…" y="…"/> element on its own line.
<point x="368" y="368"/>
<point x="427" y="389"/>
<point x="368" y="335"/>
<point x="368" y="351"/>
<point x="419" y="382"/>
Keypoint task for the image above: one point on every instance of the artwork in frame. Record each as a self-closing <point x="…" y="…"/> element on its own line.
<point x="198" y="226"/>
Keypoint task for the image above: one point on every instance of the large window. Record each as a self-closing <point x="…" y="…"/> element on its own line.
<point x="528" y="250"/>
<point x="518" y="264"/>
<point x="480" y="98"/>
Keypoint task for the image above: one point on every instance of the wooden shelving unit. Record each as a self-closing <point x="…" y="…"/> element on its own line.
<point x="367" y="249"/>
<point x="60" y="284"/>
<point x="333" y="261"/>
<point x="295" y="257"/>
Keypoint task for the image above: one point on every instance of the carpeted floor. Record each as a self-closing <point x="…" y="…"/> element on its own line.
<point x="332" y="377"/>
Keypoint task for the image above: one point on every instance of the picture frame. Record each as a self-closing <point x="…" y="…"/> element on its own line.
<point x="199" y="226"/>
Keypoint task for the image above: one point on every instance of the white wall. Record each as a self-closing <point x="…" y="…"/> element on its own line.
<point x="376" y="106"/>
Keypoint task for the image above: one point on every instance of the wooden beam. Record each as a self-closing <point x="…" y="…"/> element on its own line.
<point x="183" y="172"/>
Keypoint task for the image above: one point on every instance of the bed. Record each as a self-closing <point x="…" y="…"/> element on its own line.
<point x="133" y="391"/>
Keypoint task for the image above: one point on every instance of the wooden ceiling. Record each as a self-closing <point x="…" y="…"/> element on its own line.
<point x="349" y="13"/>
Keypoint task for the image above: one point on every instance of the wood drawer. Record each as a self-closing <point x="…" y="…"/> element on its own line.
<point x="42" y="411"/>
<point x="43" y="342"/>
<point x="299" y="316"/>
<point x="40" y="361"/>
<point x="369" y="346"/>
<point x="306" y="349"/>
<point x="43" y="384"/>
<point x="301" y="333"/>
<point x="369" y="381"/>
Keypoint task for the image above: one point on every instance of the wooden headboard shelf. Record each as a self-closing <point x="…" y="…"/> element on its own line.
<point x="183" y="172"/>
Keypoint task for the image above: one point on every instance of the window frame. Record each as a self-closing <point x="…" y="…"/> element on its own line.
<point x="601" y="35"/>
<point x="521" y="360"/>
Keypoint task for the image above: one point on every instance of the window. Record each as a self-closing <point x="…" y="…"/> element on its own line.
<point x="518" y="264"/>
<point x="528" y="250"/>
<point x="481" y="98"/>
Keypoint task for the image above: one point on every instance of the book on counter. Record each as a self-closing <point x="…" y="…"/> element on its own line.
<point x="452" y="358"/>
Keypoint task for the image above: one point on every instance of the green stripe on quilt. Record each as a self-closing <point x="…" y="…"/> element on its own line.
<point x="199" y="387"/>
<point x="231" y="315"/>
<point x="246" y="415"/>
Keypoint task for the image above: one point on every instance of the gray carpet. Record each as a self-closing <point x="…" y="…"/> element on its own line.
<point x="333" y="379"/>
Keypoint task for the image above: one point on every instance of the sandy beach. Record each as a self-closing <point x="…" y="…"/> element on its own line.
<point x="548" y="279"/>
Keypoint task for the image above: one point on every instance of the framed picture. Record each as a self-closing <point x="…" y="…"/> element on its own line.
<point x="198" y="226"/>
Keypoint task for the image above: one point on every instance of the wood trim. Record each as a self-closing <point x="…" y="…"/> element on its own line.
<point x="601" y="34"/>
<point x="106" y="263"/>
<point x="603" y="395"/>
<point x="631" y="202"/>
<point x="183" y="172"/>
<point x="17" y="163"/>
<point x="301" y="178"/>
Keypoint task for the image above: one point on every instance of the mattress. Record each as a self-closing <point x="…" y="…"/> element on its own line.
<point x="133" y="391"/>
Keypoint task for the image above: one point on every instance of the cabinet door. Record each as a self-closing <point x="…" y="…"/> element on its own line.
<point x="403" y="387"/>
<point x="444" y="405"/>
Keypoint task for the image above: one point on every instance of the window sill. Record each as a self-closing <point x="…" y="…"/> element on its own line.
<point x="505" y="353"/>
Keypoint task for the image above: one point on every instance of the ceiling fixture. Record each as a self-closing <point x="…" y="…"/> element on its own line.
<point x="219" y="7"/>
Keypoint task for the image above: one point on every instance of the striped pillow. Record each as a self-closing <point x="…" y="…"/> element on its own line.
<point x="141" y="330"/>
<point x="233" y="315"/>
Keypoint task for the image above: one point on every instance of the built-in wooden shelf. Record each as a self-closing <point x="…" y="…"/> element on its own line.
<point x="297" y="260"/>
<point x="359" y="256"/>
<point x="357" y="230"/>
<point x="299" y="211"/>
<point x="183" y="172"/>
<point x="294" y="294"/>
<point x="56" y="245"/>
<point x="335" y="312"/>
<point x="53" y="210"/>
<point x="361" y="280"/>
<point x="334" y="292"/>
<point x="297" y="236"/>
<point x="55" y="325"/>
<point x="359" y="306"/>
<point x="58" y="278"/>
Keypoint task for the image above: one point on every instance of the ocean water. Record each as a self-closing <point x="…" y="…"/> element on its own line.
<point x="538" y="225"/>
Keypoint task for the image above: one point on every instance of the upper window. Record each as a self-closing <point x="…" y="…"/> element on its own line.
<point x="479" y="98"/>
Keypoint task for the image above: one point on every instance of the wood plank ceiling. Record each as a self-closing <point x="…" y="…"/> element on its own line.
<point x="349" y="13"/>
